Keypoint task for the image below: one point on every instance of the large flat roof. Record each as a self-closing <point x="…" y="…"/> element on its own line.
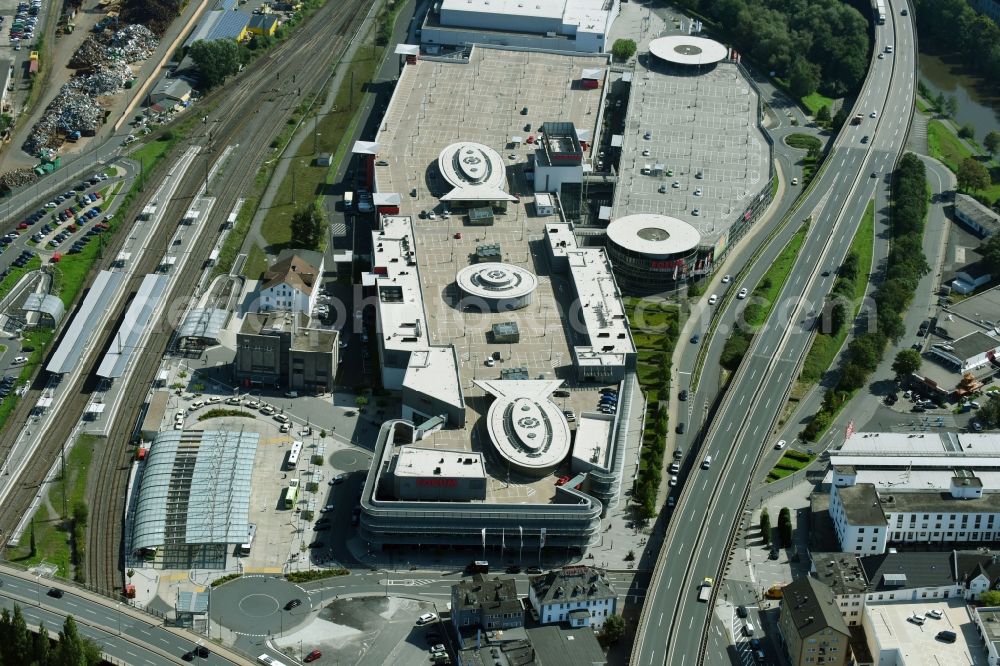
<point x="653" y="235"/>
<point x="91" y="310"/>
<point x="931" y="448"/>
<point x="400" y="300"/>
<point x="417" y="462"/>
<point x="688" y="50"/>
<point x="916" y="644"/>
<point x="703" y="124"/>
<point x="434" y="371"/>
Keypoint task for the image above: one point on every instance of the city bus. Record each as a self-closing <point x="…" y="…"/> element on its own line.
<point x="245" y="547"/>
<point x="291" y="494"/>
<point x="293" y="455"/>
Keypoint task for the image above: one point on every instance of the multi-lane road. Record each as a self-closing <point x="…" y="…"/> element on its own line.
<point x="674" y="623"/>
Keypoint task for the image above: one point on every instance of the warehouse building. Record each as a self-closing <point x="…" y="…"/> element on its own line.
<point x="279" y="350"/>
<point x="974" y="216"/>
<point x="915" y="488"/>
<point x="563" y="25"/>
<point x="193" y="499"/>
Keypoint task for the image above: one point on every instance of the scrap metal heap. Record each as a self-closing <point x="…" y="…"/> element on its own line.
<point x="102" y="64"/>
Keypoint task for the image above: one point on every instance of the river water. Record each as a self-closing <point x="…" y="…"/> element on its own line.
<point x="978" y="100"/>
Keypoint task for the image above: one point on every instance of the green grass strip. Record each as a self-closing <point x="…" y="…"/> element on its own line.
<point x="824" y="348"/>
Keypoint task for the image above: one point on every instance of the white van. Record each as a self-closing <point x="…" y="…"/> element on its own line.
<point x="707" y="462"/>
<point x="747" y="627"/>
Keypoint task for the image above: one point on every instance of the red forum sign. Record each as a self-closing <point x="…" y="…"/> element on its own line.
<point x="438" y="483"/>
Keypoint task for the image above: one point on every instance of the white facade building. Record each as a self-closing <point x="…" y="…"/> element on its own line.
<point x="291" y="285"/>
<point x="581" y="596"/>
<point x="566" y="25"/>
<point x="935" y="488"/>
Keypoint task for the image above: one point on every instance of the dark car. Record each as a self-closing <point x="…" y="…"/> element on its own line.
<point x="946" y="636"/>
<point x="864" y="139"/>
<point x="55" y="592"/>
<point x="695" y="339"/>
<point x="683" y="395"/>
<point x="742" y="611"/>
<point x="513" y="569"/>
<point x="534" y="570"/>
<point x="294" y="603"/>
<point x="680" y="428"/>
<point x="202" y="651"/>
<point x="316" y="544"/>
<point x="188" y="656"/>
<point x="312" y="656"/>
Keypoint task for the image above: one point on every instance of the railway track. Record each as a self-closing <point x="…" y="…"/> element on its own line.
<point x="251" y="112"/>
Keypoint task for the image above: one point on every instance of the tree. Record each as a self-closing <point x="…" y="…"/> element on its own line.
<point x="990" y="411"/>
<point x="765" y="527"/>
<point x="785" y="527"/>
<point x="74" y="649"/>
<point x="967" y="131"/>
<point x="907" y="362"/>
<point x="951" y="105"/>
<point x="41" y="646"/>
<point x="307" y="227"/>
<point x="216" y="60"/>
<point x="803" y="77"/>
<point x="839" y="118"/>
<point x="989" y="598"/>
<point x="19" y="640"/>
<point x="80" y="513"/>
<point x="990" y="251"/>
<point x="823" y="114"/>
<point x="361" y="401"/>
<point x="940" y="103"/>
<point x="612" y="630"/>
<point x="623" y="49"/>
<point x="972" y="175"/>
<point x="992" y="143"/>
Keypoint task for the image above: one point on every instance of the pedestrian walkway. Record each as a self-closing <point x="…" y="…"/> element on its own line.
<point x="917" y="140"/>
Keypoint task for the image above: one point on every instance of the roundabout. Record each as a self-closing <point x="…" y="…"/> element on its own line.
<point x="254" y="605"/>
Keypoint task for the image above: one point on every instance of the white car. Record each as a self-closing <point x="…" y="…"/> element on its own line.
<point x="20" y="359"/>
<point x="490" y="363"/>
<point x="214" y="400"/>
<point x="935" y="613"/>
<point x="697" y="192"/>
<point x="432" y="215"/>
<point x="795" y="181"/>
<point x="675" y="184"/>
<point x="427" y="618"/>
<point x="645" y="153"/>
<point x="780" y="445"/>
<point x="673" y="481"/>
<point x="713" y="299"/>
<point x="873" y="114"/>
<point x="726" y="279"/>
<point x="742" y="294"/>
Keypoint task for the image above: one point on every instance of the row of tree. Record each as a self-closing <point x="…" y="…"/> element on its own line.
<point x="784" y="539"/>
<point x="819" y="45"/>
<point x="952" y="26"/>
<point x="904" y="267"/>
<point x="647" y="483"/>
<point x="19" y="646"/>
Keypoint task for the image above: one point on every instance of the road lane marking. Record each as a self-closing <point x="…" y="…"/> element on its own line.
<point x="709" y="556"/>
<point x="768" y="400"/>
<point x="660" y="623"/>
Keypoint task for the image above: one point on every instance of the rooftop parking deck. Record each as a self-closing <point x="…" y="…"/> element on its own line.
<point x="706" y="155"/>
